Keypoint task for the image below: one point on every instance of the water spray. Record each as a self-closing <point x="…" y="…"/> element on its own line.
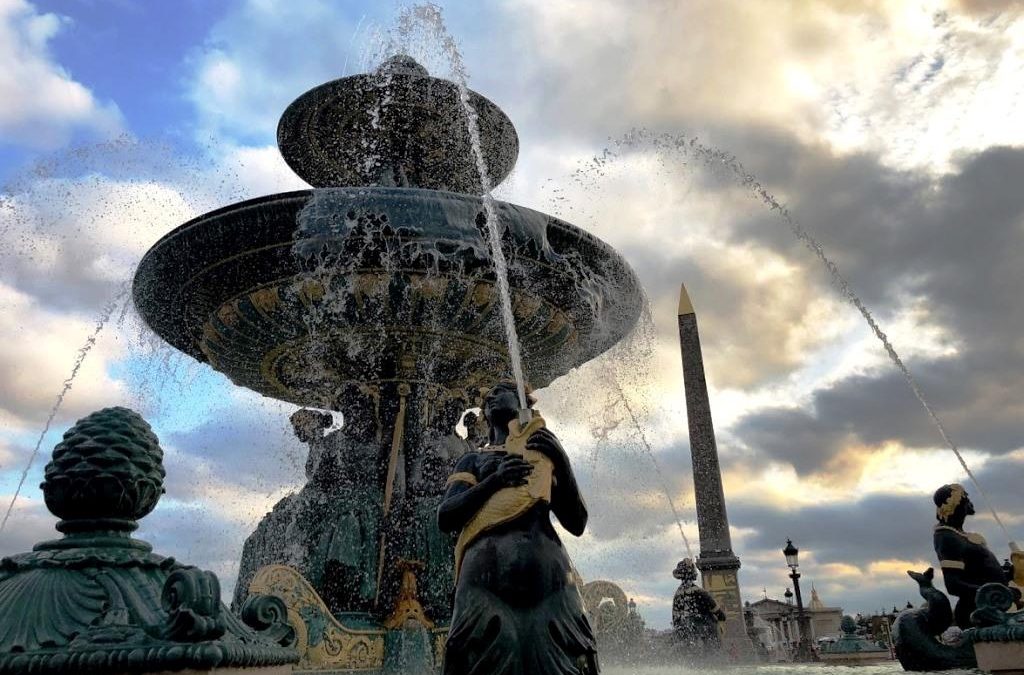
<point x="83" y="351"/>
<point x="713" y="158"/>
<point x="430" y="15"/>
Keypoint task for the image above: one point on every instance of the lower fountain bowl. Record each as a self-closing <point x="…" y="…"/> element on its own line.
<point x="301" y="295"/>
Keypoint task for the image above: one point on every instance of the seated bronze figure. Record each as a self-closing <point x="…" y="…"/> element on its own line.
<point x="518" y="609"/>
<point x="695" y="614"/>
<point x="966" y="561"/>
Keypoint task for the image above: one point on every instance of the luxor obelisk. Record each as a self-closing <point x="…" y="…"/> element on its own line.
<point x="717" y="563"/>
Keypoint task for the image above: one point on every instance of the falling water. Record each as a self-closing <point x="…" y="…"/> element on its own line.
<point x="430" y="15"/>
<point x="83" y="351"/>
<point x="715" y="158"/>
<point x="624" y="366"/>
<point x="657" y="467"/>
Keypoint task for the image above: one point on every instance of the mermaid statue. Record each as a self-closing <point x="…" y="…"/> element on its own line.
<point x="518" y="609"/>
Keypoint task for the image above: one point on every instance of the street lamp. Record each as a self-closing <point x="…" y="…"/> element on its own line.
<point x="803" y="648"/>
<point x="792" y="553"/>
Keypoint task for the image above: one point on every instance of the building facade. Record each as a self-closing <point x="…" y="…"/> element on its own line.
<point x="779" y="623"/>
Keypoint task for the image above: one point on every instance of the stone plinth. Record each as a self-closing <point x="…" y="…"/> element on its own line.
<point x="1000" y="658"/>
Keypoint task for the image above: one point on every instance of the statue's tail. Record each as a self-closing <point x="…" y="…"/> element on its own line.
<point x="915" y="632"/>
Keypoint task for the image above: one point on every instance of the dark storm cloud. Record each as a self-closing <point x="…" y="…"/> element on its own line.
<point x="844" y="533"/>
<point x="955" y="244"/>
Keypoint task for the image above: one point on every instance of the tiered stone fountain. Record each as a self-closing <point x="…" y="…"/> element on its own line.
<point x="374" y="294"/>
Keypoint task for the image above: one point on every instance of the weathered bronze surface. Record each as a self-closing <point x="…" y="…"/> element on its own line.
<point x="518" y="608"/>
<point x="696" y="615"/>
<point x="966" y="561"/>
<point x="394" y="127"/>
<point x="99" y="601"/>
<point x="999" y="634"/>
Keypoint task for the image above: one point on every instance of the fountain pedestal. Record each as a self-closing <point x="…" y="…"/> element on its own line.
<point x="998" y="635"/>
<point x="99" y="601"/>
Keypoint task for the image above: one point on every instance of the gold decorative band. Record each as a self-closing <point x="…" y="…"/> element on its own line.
<point x="952" y="565"/>
<point x="461" y="477"/>
<point x="949" y="506"/>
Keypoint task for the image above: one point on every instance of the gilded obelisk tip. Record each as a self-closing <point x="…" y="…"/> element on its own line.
<point x="685" y="306"/>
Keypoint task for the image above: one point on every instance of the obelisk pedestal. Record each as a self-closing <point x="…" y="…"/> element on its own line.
<point x="717" y="563"/>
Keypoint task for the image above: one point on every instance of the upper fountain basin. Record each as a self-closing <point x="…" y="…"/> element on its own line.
<point x="395" y="127"/>
<point x="302" y="295"/>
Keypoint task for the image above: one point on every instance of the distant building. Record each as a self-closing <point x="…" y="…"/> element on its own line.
<point x="825" y="621"/>
<point x="781" y="618"/>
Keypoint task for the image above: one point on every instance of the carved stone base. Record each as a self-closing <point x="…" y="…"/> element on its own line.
<point x="1000" y="658"/>
<point x="328" y="645"/>
<point x="323" y="641"/>
<point x="719" y="577"/>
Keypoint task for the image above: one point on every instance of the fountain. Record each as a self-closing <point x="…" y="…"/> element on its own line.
<point x="376" y="295"/>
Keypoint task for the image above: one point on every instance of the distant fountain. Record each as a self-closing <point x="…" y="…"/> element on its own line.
<point x="379" y="294"/>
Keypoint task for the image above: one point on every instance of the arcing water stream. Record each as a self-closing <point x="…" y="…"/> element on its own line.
<point x="430" y="15"/>
<point x="714" y="158"/>
<point x="657" y="468"/>
<point x="105" y="314"/>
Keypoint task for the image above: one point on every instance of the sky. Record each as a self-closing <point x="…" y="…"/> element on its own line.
<point x="890" y="130"/>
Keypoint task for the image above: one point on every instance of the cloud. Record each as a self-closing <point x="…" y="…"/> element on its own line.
<point x="953" y="244"/>
<point x="40" y="348"/>
<point x="30" y="524"/>
<point x="72" y="243"/>
<point x="43" y="105"/>
<point x="259" y="58"/>
<point x="248" y="443"/>
<point x="915" y="83"/>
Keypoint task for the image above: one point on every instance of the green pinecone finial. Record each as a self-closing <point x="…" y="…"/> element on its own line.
<point x="106" y="473"/>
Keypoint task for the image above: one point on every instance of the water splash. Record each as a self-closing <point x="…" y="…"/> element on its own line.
<point x="714" y="158"/>
<point x="430" y="16"/>
<point x="627" y="366"/>
<point x="624" y="400"/>
<point x="105" y="314"/>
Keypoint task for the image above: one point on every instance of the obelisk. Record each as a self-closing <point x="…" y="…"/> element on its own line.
<point x="717" y="563"/>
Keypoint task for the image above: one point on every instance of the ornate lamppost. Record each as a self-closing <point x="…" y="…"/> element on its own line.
<point x="803" y="647"/>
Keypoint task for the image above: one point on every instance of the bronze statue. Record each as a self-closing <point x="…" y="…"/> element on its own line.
<point x="695" y="613"/>
<point x="330" y="529"/>
<point x="967" y="567"/>
<point x="966" y="561"/>
<point x="518" y="609"/>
